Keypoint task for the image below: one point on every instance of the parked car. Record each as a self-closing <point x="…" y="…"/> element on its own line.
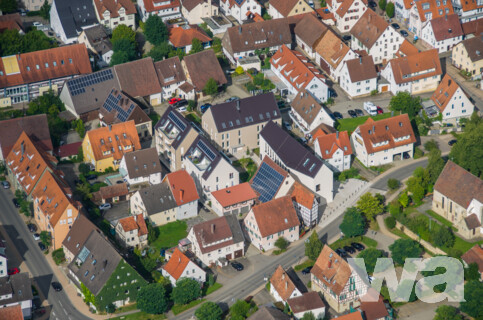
<point x="352" y="113"/>
<point x="311" y="4"/>
<point x="13" y="271"/>
<point x="15" y="203"/>
<point x="404" y="33"/>
<point x="234" y="98"/>
<point x="237" y="266"/>
<point x="229" y="71"/>
<point x="337" y="115"/>
<point x="346" y="38"/>
<point x="395" y="26"/>
<point x="451" y="142"/>
<point x="287" y="125"/>
<point x="379" y="110"/>
<point x="341" y="252"/>
<point x="357" y="246"/>
<point x="6" y="184"/>
<point x="120" y="181"/>
<point x="42" y="246"/>
<point x="105" y="206"/>
<point x="56" y="286"/>
<point x="332" y="93"/>
<point x="36" y="236"/>
<point x="306" y="270"/>
<point x="359" y="112"/>
<point x="372" y="4"/>
<point x="32" y="227"/>
<point x="91" y="177"/>
<point x="349" y="249"/>
<point x="205" y="107"/>
<point x="173" y="100"/>
<point x="181" y="103"/>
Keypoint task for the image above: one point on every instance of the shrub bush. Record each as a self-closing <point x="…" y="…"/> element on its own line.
<point x="390" y="222"/>
<point x="393" y="184"/>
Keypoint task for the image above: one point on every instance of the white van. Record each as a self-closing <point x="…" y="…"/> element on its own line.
<point x="370" y="108"/>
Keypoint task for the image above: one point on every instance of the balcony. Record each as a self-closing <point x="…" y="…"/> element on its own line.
<point x="199" y="160"/>
<point x="299" y="123"/>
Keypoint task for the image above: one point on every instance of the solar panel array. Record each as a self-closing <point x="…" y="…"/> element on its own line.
<point x="177" y="121"/>
<point x="112" y="103"/>
<point x="266" y="182"/>
<point x="206" y="150"/>
<point x="78" y="85"/>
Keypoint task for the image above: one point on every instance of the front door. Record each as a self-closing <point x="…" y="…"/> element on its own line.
<point x="228" y="256"/>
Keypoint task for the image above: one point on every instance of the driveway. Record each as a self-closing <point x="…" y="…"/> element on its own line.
<point x="442" y="141"/>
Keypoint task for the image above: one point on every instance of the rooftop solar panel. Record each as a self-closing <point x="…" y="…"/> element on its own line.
<point x="206" y="150"/>
<point x="77" y="86"/>
<point x="177" y="121"/>
<point x="266" y="182"/>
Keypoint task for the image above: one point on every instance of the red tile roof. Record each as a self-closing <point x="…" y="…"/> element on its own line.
<point x="435" y="10"/>
<point x="386" y="130"/>
<point x="54" y="197"/>
<point x="176" y="264"/>
<point x="43" y="65"/>
<point x="330" y="143"/>
<point x="446" y="27"/>
<point x="28" y="161"/>
<point x="111" y="138"/>
<point x="182" y="187"/>
<point x="356" y="315"/>
<point x="331" y="48"/>
<point x="11" y="313"/>
<point x="444" y="92"/>
<point x="369" y="28"/>
<point x="233" y="195"/>
<point x="302" y="195"/>
<point x="469" y="5"/>
<point x="150" y="6"/>
<point x="107" y="192"/>
<point x="325" y="15"/>
<point x="68" y="150"/>
<point x="459" y="185"/>
<point x="295" y="67"/>
<point x="11" y="22"/>
<point x="406" y="49"/>
<point x="282" y="283"/>
<point x="202" y="66"/>
<point x="132" y="223"/>
<point x="181" y="37"/>
<point x="474" y="255"/>
<point x="473" y="27"/>
<point x="113" y="7"/>
<point x="373" y="310"/>
<point x="332" y="270"/>
<point x="418" y="66"/>
<point x="275" y="216"/>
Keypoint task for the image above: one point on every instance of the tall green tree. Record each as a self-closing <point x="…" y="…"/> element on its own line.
<point x="390" y="9"/>
<point x="404" y="102"/>
<point x="211" y="87"/>
<point x="185" y="291"/>
<point x="239" y="310"/>
<point x="443" y="236"/>
<point x="153" y="299"/>
<point x="161" y="51"/>
<point x="404" y="248"/>
<point x="473" y="294"/>
<point x="155" y="30"/>
<point x="45" y="10"/>
<point x="353" y="223"/>
<point x="435" y="165"/>
<point x="444" y="312"/>
<point x="122" y="31"/>
<point x="119" y="57"/>
<point x="370" y="206"/>
<point x="281" y="243"/>
<point x="404" y="199"/>
<point x="468" y="151"/>
<point x="196" y="46"/>
<point x="180" y="53"/>
<point x="209" y="311"/>
<point x="370" y="256"/>
<point x="8" y="6"/>
<point x="313" y="247"/>
<point x="45" y="238"/>
<point x="125" y="45"/>
<point x="308" y="316"/>
<point x="382" y="4"/>
<point x="472" y="272"/>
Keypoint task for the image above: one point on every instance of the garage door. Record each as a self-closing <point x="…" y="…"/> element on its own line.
<point x="384" y="88"/>
<point x="238" y="253"/>
<point x="228" y="256"/>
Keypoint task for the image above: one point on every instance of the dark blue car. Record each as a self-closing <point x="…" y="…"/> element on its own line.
<point x="205" y="107"/>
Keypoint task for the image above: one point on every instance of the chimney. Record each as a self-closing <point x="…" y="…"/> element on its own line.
<point x="238" y="105"/>
<point x="329" y="265"/>
<point x="181" y="192"/>
<point x="341" y="46"/>
<point x="213" y="228"/>
<point x="283" y="276"/>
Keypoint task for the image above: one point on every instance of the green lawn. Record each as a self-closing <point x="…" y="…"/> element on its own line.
<point x="141" y="316"/>
<point x="193" y="117"/>
<point x="170" y="234"/>
<point x="249" y="166"/>
<point x="350" y="124"/>
<point x="154" y="116"/>
<point x="303" y="265"/>
<point x="177" y="309"/>
<point x="441" y="219"/>
<point x="463" y="245"/>
<point x="211" y="289"/>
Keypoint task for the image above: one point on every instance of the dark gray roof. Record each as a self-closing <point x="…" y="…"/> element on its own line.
<point x="245" y="112"/>
<point x="235" y="228"/>
<point x="18" y="285"/>
<point x="206" y="151"/>
<point x="293" y="155"/>
<point x="78" y="234"/>
<point x="157" y="198"/>
<point x="99" y="39"/>
<point x="268" y="313"/>
<point x="142" y="163"/>
<point x="169" y="71"/>
<point x="75" y="14"/>
<point x="170" y="119"/>
<point x="95" y="262"/>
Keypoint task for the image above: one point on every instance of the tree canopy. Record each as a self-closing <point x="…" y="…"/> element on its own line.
<point x="160" y="51"/>
<point x="472" y="272"/>
<point x="209" y="311"/>
<point x="185" y="291"/>
<point x="153" y="299"/>
<point x="390" y="9"/>
<point x="123" y="32"/>
<point x="313" y="247"/>
<point x="353" y="223"/>
<point x="281" y="243"/>
<point x="445" y="312"/>
<point x="211" y="87"/>
<point x="12" y="42"/>
<point x="370" y="206"/>
<point x="473" y="294"/>
<point x="239" y="310"/>
<point x="308" y="316"/>
<point x="382" y="4"/>
<point x="404" y="248"/>
<point x="370" y="256"/>
<point x="8" y="6"/>
<point x="124" y="45"/>
<point x="196" y="46"/>
<point x="45" y="10"/>
<point x="155" y="30"/>
<point x="404" y="102"/>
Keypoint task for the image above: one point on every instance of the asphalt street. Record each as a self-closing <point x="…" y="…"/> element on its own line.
<point x="40" y="269"/>
<point x="399" y="174"/>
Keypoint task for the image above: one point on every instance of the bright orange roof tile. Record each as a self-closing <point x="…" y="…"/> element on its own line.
<point x="232" y="195"/>
<point x="176" y="264"/>
<point x="182" y="187"/>
<point x="302" y="195"/>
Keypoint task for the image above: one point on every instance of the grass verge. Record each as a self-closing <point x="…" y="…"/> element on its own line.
<point x="177" y="309"/>
<point x="441" y="219"/>
<point x="212" y="288"/>
<point x="303" y="265"/>
<point x="141" y="316"/>
<point x="350" y="124"/>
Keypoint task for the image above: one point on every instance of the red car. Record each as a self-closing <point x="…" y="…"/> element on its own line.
<point x="13" y="271"/>
<point x="174" y="100"/>
<point x="379" y="110"/>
